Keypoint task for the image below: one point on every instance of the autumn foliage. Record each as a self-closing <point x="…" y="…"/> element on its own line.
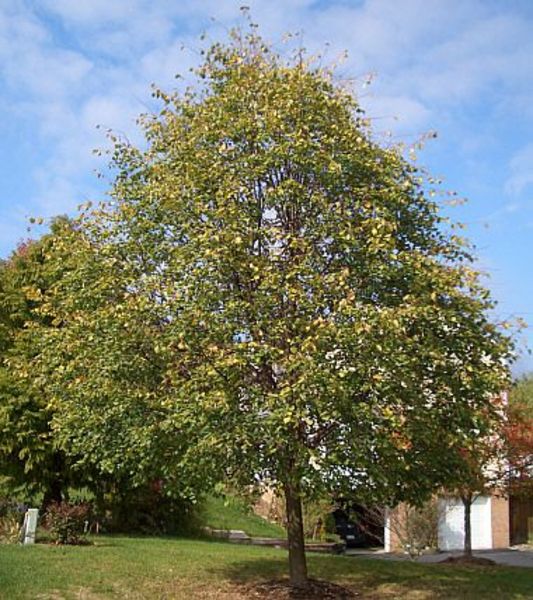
<point x="519" y="444"/>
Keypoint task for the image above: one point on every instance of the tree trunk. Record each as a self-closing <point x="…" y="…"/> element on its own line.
<point x="467" y="503"/>
<point x="52" y="494"/>
<point x="295" y="537"/>
<point x="55" y="490"/>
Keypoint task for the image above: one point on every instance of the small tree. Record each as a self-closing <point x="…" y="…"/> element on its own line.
<point x="482" y="469"/>
<point x="273" y="297"/>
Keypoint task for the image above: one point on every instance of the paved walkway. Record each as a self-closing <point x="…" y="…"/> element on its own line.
<point x="515" y="557"/>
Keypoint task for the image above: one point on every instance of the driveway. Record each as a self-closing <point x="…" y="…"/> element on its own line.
<point x="514" y="557"/>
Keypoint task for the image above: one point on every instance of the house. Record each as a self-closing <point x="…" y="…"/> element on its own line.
<point x="490" y="522"/>
<point x="497" y="520"/>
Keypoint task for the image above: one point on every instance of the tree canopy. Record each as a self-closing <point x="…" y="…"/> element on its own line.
<point x="30" y="459"/>
<point x="519" y="436"/>
<point x="271" y="296"/>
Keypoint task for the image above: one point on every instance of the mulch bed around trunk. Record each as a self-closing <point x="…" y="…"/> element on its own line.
<point x="282" y="590"/>
<point x="477" y="561"/>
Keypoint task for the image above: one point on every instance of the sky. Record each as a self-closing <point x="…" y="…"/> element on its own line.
<point x="69" y="69"/>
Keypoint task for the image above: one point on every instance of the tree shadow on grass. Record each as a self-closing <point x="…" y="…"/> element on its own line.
<point x="387" y="580"/>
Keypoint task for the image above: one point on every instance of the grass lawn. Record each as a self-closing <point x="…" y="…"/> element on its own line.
<point x="146" y="568"/>
<point x="233" y="513"/>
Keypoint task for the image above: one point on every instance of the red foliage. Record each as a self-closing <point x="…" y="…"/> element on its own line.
<point x="519" y="441"/>
<point x="67" y="522"/>
<point x="23" y="247"/>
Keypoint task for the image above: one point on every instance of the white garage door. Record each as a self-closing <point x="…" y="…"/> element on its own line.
<point x="451" y="526"/>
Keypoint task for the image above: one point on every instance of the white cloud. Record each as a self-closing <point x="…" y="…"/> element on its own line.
<point x="30" y="63"/>
<point x="491" y="52"/>
<point x="92" y="12"/>
<point x="521" y="171"/>
<point x="403" y="115"/>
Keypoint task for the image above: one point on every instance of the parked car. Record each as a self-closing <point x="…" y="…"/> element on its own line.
<point x="355" y="527"/>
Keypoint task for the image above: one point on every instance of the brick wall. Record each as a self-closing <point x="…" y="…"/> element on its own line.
<point x="395" y="518"/>
<point x="500" y="522"/>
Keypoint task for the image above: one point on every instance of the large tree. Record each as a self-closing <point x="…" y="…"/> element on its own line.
<point x="277" y="300"/>
<point x="37" y="461"/>
<point x="31" y="460"/>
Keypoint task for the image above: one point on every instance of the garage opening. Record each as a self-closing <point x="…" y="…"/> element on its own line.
<point x="360" y="526"/>
<point x="521" y="520"/>
<point x="451" y="524"/>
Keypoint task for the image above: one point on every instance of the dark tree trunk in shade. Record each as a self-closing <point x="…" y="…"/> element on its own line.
<point x="52" y="494"/>
<point x="295" y="536"/>
<point x="54" y="491"/>
<point x="467" y="503"/>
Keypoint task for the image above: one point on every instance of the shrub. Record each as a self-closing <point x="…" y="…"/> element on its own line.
<point x="147" y="510"/>
<point x="416" y="527"/>
<point x="67" y="523"/>
<point x="9" y="530"/>
<point x="11" y="518"/>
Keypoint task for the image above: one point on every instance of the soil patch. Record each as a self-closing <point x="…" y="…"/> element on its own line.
<point x="280" y="589"/>
<point x="477" y="561"/>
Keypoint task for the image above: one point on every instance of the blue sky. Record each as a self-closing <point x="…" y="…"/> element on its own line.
<point x="461" y="67"/>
